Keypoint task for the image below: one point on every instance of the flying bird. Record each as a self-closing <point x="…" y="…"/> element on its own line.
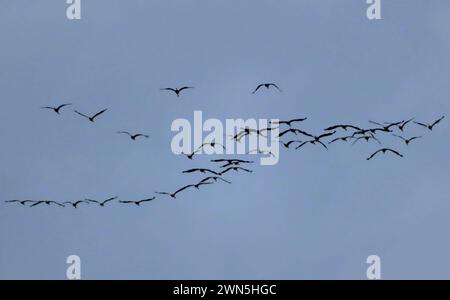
<point x="190" y="156"/>
<point x="288" y="144"/>
<point x="254" y="151"/>
<point x="345" y="127"/>
<point x="407" y="141"/>
<point x="388" y="125"/>
<point x="289" y="122"/>
<point x="294" y="131"/>
<point x="133" y="136"/>
<point x="402" y="126"/>
<point x="235" y="169"/>
<point x="215" y="178"/>
<point x="23" y="202"/>
<point x="344" y="139"/>
<point x="56" y="109"/>
<point x="384" y="150"/>
<point x="232" y="160"/>
<point x="92" y="119"/>
<point x="211" y="144"/>
<point x="174" y="195"/>
<point x="176" y="90"/>
<point x="317" y="139"/>
<point x="102" y="204"/>
<point x="201" y="170"/>
<point x="267" y="86"/>
<point x="46" y="202"/>
<point x="138" y="203"/>
<point x="367" y="138"/>
<point x="313" y="142"/>
<point x="430" y="126"/>
<point x="75" y="204"/>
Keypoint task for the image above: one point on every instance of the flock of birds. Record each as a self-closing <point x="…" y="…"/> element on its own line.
<point x="328" y="136"/>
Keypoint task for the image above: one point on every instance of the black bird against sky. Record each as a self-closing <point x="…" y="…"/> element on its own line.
<point x="133" y="136"/>
<point x="138" y="203"/>
<point x="177" y="91"/>
<point x="56" y="109"/>
<point x="92" y="119"/>
<point x="102" y="203"/>
<point x="384" y="150"/>
<point x="267" y="86"/>
<point x="431" y="126"/>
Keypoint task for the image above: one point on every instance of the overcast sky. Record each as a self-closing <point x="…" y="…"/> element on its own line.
<point x="317" y="214"/>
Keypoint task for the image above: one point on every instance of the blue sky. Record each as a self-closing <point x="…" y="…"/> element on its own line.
<point x="315" y="215"/>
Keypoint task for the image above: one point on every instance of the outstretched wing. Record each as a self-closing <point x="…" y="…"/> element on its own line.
<point x="147" y="200"/>
<point x="183" y="188"/>
<point x="110" y="199"/>
<point x="244" y="169"/>
<point x="99" y="113"/>
<point x="399" y="136"/>
<point x="169" y="89"/>
<point x="373" y="154"/>
<point x="437" y="121"/>
<point x="81" y="114"/>
<point x="185" y="88"/>
<point x="421" y="124"/>
<point x="302" y="144"/>
<point x="124" y="132"/>
<point x="276" y="86"/>
<point x="63" y="105"/>
<point x="303" y="132"/>
<point x="325" y="135"/>
<point x="395" y="152"/>
<point x="257" y="88"/>
<point x="322" y="144"/>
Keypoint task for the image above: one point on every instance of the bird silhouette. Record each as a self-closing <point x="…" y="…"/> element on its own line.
<point x="23" y="202"/>
<point x="133" y="136"/>
<point x="138" y="203"/>
<point x="56" y="109"/>
<point x="387" y="125"/>
<point x="232" y="160"/>
<point x="174" y="195"/>
<point x="211" y="144"/>
<point x="313" y="142"/>
<point x="367" y="138"/>
<point x="407" y="141"/>
<point x="201" y="170"/>
<point x="190" y="156"/>
<point x="294" y="131"/>
<point x="430" y="126"/>
<point x="289" y="122"/>
<point x="384" y="150"/>
<point x="75" y="204"/>
<point x="102" y="204"/>
<point x="92" y="119"/>
<point x="345" y="127"/>
<point x="344" y="139"/>
<point x="402" y="126"/>
<point x="288" y="144"/>
<point x="215" y="178"/>
<point x="176" y="90"/>
<point x="46" y="202"/>
<point x="257" y="151"/>
<point x="266" y="85"/>
<point x="235" y="169"/>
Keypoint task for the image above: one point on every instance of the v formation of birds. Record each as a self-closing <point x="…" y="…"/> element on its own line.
<point x="347" y="133"/>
